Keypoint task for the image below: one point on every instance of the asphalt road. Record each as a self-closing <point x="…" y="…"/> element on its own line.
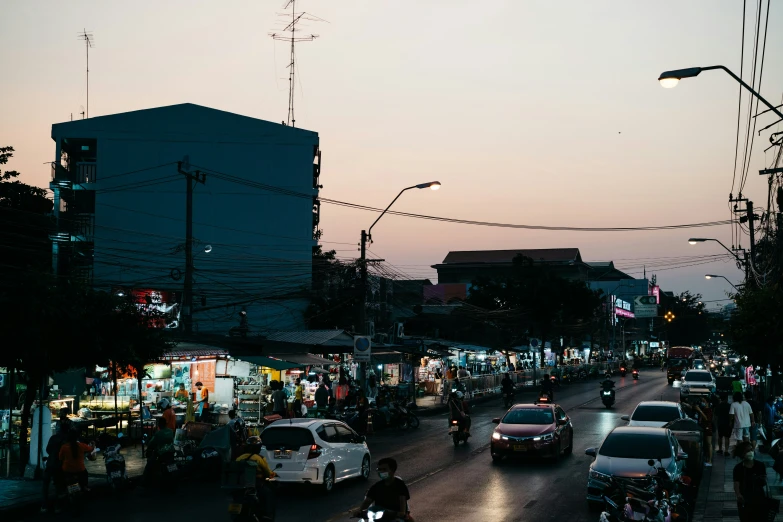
<point x="446" y="483"/>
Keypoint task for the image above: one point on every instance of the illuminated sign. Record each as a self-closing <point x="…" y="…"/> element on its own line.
<point x="161" y="307"/>
<point x="656" y="291"/>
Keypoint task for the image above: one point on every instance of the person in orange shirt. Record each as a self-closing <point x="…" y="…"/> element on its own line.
<point x="72" y="457"/>
<point x="168" y="415"/>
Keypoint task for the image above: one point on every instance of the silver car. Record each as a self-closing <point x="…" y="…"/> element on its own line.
<point x="697" y="382"/>
<point x="624" y="455"/>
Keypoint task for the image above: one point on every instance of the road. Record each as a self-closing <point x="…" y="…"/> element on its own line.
<point x="446" y="483"/>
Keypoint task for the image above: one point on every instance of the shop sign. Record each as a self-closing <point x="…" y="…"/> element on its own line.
<point x="622" y="312"/>
<point x="655" y="291"/>
<point x="645" y="306"/>
<point x="362" y="348"/>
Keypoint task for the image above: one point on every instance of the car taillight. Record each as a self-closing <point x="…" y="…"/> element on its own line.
<point x="315" y="452"/>
<point x="454" y="422"/>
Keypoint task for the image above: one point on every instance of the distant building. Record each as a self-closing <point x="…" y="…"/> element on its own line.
<point x="120" y="203"/>
<point x="467" y="266"/>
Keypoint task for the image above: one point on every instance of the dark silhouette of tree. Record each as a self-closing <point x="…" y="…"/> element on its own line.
<point x="336" y="293"/>
<point x="691" y="324"/>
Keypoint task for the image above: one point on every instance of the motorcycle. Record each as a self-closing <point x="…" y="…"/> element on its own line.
<point x="508" y="398"/>
<point x="607" y="397"/>
<point x="114" y="462"/>
<point x="545" y="398"/>
<point x="622" y="371"/>
<point x="245" y="505"/>
<point x="458" y="434"/>
<point x="73" y="492"/>
<point x="635" y="374"/>
<point x="376" y="515"/>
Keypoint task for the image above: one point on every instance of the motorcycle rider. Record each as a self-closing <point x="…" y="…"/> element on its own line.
<point x="251" y="451"/>
<point x="160" y="445"/>
<point x="507" y="385"/>
<point x="459" y="411"/>
<point x="390" y="494"/>
<point x="547" y="387"/>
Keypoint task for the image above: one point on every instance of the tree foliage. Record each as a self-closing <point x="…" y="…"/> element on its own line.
<point x="535" y="302"/>
<point x="755" y="329"/>
<point x="691" y="323"/>
<point x="336" y="293"/>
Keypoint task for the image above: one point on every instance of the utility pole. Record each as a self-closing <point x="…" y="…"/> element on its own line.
<point x="187" y="294"/>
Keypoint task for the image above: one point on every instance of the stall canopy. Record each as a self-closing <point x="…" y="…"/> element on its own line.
<point x="270" y="362"/>
<point x="303" y="359"/>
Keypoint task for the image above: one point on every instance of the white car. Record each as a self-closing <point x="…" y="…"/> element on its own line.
<point x="315" y="451"/>
<point x="654" y="414"/>
<point x="697" y="382"/>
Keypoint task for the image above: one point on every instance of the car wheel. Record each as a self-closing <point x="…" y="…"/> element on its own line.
<point x="570" y="449"/>
<point x="328" y="484"/>
<point x="497" y="459"/>
<point x="559" y="450"/>
<point x="366" y="467"/>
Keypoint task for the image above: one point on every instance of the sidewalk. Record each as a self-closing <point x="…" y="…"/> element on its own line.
<point x="19" y="495"/>
<point x="716" y="500"/>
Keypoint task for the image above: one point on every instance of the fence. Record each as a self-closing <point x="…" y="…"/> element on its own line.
<point x="486" y="384"/>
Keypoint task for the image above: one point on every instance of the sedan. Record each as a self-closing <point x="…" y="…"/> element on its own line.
<point x="654" y="414"/>
<point x="625" y="454"/>
<point x="539" y="429"/>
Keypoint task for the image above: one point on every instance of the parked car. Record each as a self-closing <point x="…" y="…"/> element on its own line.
<point x="315" y="451"/>
<point x="697" y="382"/>
<point x="654" y="414"/>
<point x="537" y="429"/>
<point x="624" y="455"/>
<point x="691" y="438"/>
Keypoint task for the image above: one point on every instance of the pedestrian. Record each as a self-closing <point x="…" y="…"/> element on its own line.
<point x="298" y="398"/>
<point x="341" y="393"/>
<point x="756" y="414"/>
<point x="750" y="479"/>
<point x="322" y="397"/>
<point x="743" y="418"/>
<point x="168" y="414"/>
<point x="372" y="389"/>
<point x="723" y="413"/>
<point x="71" y="457"/>
<point x="202" y="403"/>
<point x="279" y="400"/>
<point x="705" y="420"/>
<point x="769" y="418"/>
<point x="53" y="470"/>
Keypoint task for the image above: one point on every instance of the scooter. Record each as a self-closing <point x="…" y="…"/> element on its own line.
<point x="115" y="467"/>
<point x="544" y="398"/>
<point x="623" y="371"/>
<point x="245" y="505"/>
<point x="635" y="374"/>
<point x="458" y="434"/>
<point x="607" y="397"/>
<point x="508" y="399"/>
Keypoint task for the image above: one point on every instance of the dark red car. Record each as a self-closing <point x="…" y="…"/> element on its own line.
<point x="538" y="429"/>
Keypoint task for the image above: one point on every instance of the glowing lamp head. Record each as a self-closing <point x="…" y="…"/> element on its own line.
<point x="434" y="185"/>
<point x="669" y="83"/>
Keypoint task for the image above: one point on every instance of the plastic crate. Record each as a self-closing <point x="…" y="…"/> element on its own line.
<point x="238" y="475"/>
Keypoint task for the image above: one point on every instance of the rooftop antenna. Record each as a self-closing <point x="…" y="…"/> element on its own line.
<point x="296" y="18"/>
<point x="88" y="41"/>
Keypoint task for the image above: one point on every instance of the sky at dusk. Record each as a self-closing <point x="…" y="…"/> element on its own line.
<point x="546" y="113"/>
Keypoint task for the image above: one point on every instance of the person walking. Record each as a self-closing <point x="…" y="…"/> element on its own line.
<point x="750" y="479"/>
<point x="705" y="420"/>
<point x="298" y="398"/>
<point x="723" y="415"/>
<point x="743" y="418"/>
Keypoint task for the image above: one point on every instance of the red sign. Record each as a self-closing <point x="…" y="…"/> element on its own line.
<point x="656" y="291"/>
<point x="162" y="307"/>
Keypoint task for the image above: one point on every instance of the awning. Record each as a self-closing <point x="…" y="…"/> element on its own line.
<point x="270" y="362"/>
<point x="303" y="359"/>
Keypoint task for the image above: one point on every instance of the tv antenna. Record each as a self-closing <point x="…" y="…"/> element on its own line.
<point x="293" y="38"/>
<point x="88" y="42"/>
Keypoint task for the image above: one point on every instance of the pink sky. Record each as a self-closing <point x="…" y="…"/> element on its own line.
<point x="527" y="112"/>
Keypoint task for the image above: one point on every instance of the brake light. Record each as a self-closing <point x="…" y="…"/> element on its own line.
<point x="315" y="452"/>
<point x="454" y="422"/>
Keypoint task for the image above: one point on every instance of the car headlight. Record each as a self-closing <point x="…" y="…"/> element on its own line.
<point x="597" y="475"/>
<point x="547" y="437"/>
<point x="496" y="436"/>
<point x="607" y="393"/>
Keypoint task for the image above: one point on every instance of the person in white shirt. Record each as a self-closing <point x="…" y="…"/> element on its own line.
<point x="742" y="414"/>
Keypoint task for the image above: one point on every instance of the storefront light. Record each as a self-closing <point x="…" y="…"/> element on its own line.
<point x="380" y="367"/>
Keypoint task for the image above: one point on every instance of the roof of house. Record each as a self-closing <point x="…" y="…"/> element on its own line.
<point x="547" y="255"/>
<point x="180" y="119"/>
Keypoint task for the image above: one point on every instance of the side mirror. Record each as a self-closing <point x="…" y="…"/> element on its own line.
<point x="562" y="422"/>
<point x="496" y="420"/>
<point x="278" y="466"/>
<point x="591" y="452"/>
<point x="651" y="463"/>
<point x="626" y="418"/>
<point x="681" y="455"/>
<point x="362" y="439"/>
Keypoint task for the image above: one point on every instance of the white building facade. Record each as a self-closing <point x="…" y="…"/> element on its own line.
<point x="120" y="203"/>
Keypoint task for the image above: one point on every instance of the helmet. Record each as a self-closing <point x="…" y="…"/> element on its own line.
<point x="460" y="395"/>
<point x="251" y="441"/>
<point x="163" y="404"/>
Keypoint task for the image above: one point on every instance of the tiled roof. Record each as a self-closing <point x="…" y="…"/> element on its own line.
<point x="551" y="255"/>
<point x="313" y="337"/>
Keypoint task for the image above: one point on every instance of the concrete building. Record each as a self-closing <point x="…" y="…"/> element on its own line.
<point x="120" y="203"/>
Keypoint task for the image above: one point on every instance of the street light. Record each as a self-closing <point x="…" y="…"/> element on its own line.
<point x="670" y="79"/>
<point x="711" y="276"/>
<point x="743" y="260"/>
<point x="367" y="236"/>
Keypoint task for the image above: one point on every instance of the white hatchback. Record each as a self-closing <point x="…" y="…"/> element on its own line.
<point x="315" y="451"/>
<point x="654" y="414"/>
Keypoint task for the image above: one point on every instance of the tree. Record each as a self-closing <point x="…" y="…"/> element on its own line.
<point x="335" y="298"/>
<point x="755" y="329"/>
<point x="691" y="324"/>
<point x="535" y="302"/>
<point x="25" y="212"/>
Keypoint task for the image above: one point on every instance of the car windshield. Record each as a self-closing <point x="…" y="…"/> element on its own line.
<point x="289" y="437"/>
<point x="529" y="416"/>
<point x="698" y="377"/>
<point x="655" y="413"/>
<point x="636" y="446"/>
<point x="677" y="362"/>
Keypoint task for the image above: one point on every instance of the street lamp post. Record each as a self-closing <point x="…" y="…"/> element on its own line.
<point x="367" y="236"/>
<point x="670" y="79"/>
<point x="713" y="276"/>
<point x="742" y="260"/>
